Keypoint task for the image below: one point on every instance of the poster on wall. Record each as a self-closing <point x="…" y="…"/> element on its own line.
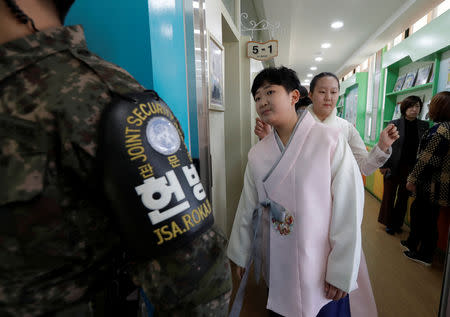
<point x="216" y="75"/>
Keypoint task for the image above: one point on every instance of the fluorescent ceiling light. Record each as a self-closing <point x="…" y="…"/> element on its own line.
<point x="318" y="59"/>
<point x="325" y="45"/>
<point x="313" y="68"/>
<point x="309" y="75"/>
<point x="337" y="24"/>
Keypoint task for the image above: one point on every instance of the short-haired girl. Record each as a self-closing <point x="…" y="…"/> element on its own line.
<point x="300" y="211"/>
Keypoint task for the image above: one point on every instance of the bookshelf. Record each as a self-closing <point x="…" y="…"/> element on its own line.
<point x="340" y="107"/>
<point x="409" y="90"/>
<point x="353" y="92"/>
<point x="412" y="54"/>
<point x="399" y="68"/>
<point x="428" y="46"/>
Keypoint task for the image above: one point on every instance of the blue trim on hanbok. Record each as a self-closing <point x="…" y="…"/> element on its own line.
<point x="340" y="308"/>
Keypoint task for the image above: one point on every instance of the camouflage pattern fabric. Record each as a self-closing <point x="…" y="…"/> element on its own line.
<point x="56" y="239"/>
<point x="193" y="281"/>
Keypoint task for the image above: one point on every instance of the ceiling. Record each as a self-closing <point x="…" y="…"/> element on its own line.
<point x="305" y="25"/>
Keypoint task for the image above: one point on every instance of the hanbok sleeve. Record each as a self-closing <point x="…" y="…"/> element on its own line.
<point x="345" y="227"/>
<point x="241" y="234"/>
<point x="368" y="162"/>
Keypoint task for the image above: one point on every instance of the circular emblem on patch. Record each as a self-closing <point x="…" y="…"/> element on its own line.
<point x="285" y="227"/>
<point x="163" y="136"/>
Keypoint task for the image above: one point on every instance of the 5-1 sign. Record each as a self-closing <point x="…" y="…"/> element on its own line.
<point x="262" y="51"/>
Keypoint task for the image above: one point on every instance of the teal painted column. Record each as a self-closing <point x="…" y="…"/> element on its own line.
<point x="117" y="31"/>
<point x="147" y="38"/>
<point x="168" y="58"/>
<point x="191" y="77"/>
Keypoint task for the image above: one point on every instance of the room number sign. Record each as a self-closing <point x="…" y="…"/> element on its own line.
<point x="262" y="51"/>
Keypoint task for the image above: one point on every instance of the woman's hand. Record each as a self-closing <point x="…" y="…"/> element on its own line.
<point x="240" y="271"/>
<point x="411" y="187"/>
<point x="387" y="137"/>
<point x="334" y="293"/>
<point x="261" y="128"/>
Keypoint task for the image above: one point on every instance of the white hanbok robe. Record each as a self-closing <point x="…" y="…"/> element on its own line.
<point x="317" y="180"/>
<point x="368" y="162"/>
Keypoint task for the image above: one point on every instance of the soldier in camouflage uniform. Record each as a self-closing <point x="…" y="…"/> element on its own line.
<point x="56" y="239"/>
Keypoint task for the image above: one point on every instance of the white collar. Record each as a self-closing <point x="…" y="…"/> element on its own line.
<point x="328" y="120"/>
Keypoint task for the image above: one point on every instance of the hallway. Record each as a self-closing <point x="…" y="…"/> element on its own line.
<point x="396" y="293"/>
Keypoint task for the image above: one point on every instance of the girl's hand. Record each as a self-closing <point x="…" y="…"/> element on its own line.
<point x="261" y="128"/>
<point x="383" y="171"/>
<point x="240" y="271"/>
<point x="411" y="187"/>
<point x="387" y="137"/>
<point x="334" y="293"/>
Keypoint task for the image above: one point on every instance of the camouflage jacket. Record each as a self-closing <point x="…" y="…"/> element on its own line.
<point x="55" y="238"/>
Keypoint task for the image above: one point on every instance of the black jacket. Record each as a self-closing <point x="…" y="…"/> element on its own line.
<point x="394" y="161"/>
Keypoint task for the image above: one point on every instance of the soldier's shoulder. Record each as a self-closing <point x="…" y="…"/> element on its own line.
<point x="116" y="77"/>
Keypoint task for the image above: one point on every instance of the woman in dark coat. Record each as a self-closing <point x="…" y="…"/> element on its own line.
<point x="400" y="164"/>
<point x="430" y="180"/>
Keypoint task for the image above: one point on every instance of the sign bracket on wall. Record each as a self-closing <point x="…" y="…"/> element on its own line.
<point x="262" y="51"/>
<point x="257" y="50"/>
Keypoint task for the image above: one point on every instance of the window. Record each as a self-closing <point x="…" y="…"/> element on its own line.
<point x="365" y="65"/>
<point x="443" y="7"/>
<point x="349" y="74"/>
<point x="420" y="23"/>
<point x="398" y="39"/>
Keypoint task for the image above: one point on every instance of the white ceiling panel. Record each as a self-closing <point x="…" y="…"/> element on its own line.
<point x="368" y="26"/>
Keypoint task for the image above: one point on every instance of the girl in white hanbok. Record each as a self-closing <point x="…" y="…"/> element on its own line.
<point x="325" y="112"/>
<point x="299" y="216"/>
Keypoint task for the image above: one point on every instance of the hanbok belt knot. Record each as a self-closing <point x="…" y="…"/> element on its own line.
<point x="277" y="212"/>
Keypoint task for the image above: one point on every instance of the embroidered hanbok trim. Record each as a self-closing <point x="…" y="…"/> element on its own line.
<point x="278" y="213"/>
<point x="284" y="227"/>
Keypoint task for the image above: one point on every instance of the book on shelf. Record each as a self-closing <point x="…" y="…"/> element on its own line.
<point x="409" y="80"/>
<point x="340" y="112"/>
<point x="397" y="113"/>
<point x="423" y="99"/>
<point x="423" y="75"/>
<point x="432" y="75"/>
<point x="423" y="115"/>
<point x="399" y="83"/>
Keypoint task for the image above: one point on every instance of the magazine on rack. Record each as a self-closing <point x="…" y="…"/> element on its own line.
<point x="397" y="113"/>
<point x="340" y="107"/>
<point x="424" y="112"/>
<point x="399" y="83"/>
<point x="409" y="80"/>
<point x="423" y="75"/>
